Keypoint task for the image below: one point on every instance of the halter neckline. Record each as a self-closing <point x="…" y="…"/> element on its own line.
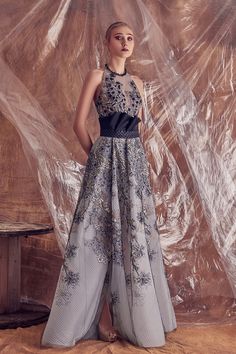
<point x="114" y="72"/>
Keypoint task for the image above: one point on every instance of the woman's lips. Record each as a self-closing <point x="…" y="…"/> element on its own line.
<point x="125" y="49"/>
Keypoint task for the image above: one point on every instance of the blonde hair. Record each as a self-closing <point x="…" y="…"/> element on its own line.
<point x="114" y="25"/>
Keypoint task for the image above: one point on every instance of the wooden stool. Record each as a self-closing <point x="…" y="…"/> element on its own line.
<point x="14" y="313"/>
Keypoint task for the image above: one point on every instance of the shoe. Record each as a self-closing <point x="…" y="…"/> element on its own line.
<point x="108" y="335"/>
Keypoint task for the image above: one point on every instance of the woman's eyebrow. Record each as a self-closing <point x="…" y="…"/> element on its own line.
<point x="122" y="33"/>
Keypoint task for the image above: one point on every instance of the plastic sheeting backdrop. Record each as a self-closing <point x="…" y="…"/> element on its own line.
<point x="185" y="54"/>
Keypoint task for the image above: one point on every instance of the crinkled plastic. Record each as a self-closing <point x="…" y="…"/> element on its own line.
<point x="185" y="54"/>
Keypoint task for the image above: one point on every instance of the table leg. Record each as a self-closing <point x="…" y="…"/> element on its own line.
<point x="10" y="274"/>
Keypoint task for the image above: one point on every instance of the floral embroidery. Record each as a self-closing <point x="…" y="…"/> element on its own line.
<point x="114" y="297"/>
<point x="143" y="278"/>
<point x="69" y="279"/>
<point x="113" y="97"/>
<point x="115" y="204"/>
<point x="116" y="200"/>
<point x="70" y="251"/>
<point x="128" y="280"/>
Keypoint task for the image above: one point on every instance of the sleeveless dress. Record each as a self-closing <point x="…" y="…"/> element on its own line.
<point x="113" y="250"/>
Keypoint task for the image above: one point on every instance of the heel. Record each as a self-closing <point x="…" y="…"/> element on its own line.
<point x="107" y="335"/>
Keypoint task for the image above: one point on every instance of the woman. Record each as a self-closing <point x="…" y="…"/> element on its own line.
<point x="112" y="282"/>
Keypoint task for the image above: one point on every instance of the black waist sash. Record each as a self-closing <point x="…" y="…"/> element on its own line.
<point x="119" y="125"/>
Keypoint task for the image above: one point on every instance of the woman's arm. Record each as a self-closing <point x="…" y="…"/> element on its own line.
<point x="139" y="84"/>
<point x="91" y="82"/>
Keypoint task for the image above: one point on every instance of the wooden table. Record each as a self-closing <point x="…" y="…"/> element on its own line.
<point x="14" y="313"/>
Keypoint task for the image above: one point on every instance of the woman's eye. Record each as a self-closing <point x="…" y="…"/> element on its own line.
<point x="120" y="37"/>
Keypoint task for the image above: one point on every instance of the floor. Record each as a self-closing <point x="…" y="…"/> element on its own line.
<point x="210" y="339"/>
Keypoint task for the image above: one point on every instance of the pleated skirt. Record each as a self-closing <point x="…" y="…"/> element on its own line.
<point x="113" y="252"/>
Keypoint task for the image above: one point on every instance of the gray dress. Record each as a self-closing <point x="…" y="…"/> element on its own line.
<point x="113" y="250"/>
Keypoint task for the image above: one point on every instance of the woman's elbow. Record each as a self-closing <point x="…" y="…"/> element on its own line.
<point x="78" y="126"/>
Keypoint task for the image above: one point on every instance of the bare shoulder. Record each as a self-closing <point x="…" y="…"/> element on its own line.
<point x="95" y="75"/>
<point x="137" y="79"/>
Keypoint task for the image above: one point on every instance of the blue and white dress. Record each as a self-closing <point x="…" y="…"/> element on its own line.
<point x="113" y="250"/>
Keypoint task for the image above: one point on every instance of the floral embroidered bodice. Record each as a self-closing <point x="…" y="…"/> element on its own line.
<point x="117" y="93"/>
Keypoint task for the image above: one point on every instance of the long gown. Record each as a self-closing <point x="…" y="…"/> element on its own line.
<point x="113" y="250"/>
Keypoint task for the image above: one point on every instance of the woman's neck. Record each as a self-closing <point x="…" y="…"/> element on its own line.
<point x="118" y="66"/>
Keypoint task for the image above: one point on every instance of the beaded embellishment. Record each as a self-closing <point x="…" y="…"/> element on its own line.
<point x="118" y="93"/>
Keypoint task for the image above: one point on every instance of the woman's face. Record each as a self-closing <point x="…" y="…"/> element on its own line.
<point x="121" y="43"/>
